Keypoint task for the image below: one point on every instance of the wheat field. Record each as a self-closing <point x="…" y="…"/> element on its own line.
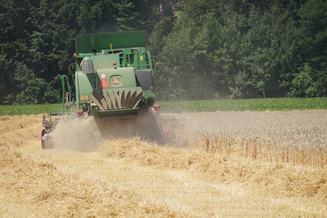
<point x="235" y="164"/>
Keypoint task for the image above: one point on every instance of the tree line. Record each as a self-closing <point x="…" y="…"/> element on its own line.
<point x="201" y="49"/>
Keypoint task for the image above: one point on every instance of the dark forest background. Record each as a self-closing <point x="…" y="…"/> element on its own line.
<point x="201" y="49"/>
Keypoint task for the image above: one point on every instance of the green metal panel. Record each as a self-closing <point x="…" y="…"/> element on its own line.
<point x="126" y="74"/>
<point x="86" y="83"/>
<point x="105" y="61"/>
<point x="85" y="43"/>
<point x="149" y="94"/>
<point x="135" y="58"/>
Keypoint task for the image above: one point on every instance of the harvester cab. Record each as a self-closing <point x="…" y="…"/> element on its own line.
<point x="112" y="76"/>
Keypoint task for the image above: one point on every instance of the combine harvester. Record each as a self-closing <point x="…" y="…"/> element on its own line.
<point x="113" y="82"/>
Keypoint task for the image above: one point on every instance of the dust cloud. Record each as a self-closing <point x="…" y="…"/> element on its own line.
<point x="164" y="129"/>
<point x="145" y="126"/>
<point x="77" y="135"/>
<point x="88" y="135"/>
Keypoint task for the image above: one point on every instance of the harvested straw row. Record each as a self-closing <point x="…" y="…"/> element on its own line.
<point x="59" y="194"/>
<point x="15" y="130"/>
<point x="263" y="150"/>
<point x="278" y="179"/>
<point x="13" y="123"/>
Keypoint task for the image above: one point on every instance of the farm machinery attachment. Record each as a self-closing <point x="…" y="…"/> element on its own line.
<point x="113" y="82"/>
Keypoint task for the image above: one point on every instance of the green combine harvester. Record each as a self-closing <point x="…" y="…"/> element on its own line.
<point x="113" y="79"/>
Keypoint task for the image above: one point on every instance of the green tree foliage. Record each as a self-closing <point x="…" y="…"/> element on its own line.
<point x="29" y="88"/>
<point x="4" y="78"/>
<point x="244" y="49"/>
<point x="201" y="49"/>
<point x="37" y="37"/>
<point x="312" y="41"/>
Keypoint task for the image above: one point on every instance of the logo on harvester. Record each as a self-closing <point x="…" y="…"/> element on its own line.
<point x="103" y="84"/>
<point x="116" y="81"/>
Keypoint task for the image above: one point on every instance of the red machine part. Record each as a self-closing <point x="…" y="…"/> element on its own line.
<point x="167" y="132"/>
<point x="81" y="114"/>
<point x="174" y="135"/>
<point x="66" y="98"/>
<point x="156" y="107"/>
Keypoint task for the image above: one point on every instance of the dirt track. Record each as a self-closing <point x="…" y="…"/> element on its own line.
<point x="127" y="177"/>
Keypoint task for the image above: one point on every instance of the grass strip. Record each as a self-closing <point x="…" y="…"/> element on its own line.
<point x="29" y="109"/>
<point x="260" y="104"/>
